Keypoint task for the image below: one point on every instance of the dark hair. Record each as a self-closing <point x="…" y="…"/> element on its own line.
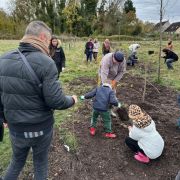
<point x="170" y="42"/>
<point x="51" y="47"/>
<point x="165" y="50"/>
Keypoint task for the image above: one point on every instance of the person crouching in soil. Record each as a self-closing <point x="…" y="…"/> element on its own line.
<point x="169" y="57"/>
<point x="104" y="97"/>
<point x="143" y="138"/>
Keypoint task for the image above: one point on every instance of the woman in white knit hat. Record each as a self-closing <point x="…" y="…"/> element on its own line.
<point x="143" y="138"/>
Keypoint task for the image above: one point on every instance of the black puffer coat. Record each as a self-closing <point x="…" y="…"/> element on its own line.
<point x="24" y="108"/>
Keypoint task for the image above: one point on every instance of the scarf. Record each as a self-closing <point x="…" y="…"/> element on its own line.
<point x="36" y="42"/>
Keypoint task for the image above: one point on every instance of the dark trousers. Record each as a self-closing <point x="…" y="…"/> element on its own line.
<point x="89" y="56"/>
<point x="20" y="147"/>
<point x="1" y="132"/>
<point x="169" y="63"/>
<point x="95" y="55"/>
<point x="133" y="145"/>
<point x="106" y="119"/>
<point x="59" y="68"/>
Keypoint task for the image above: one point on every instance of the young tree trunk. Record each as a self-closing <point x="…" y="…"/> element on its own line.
<point x="160" y="42"/>
<point x="145" y="82"/>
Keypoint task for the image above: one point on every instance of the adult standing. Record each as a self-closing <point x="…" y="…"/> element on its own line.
<point x="106" y="47"/>
<point x="113" y="67"/>
<point x="95" y="49"/>
<point x="57" y="54"/>
<point x="28" y="108"/>
<point x="89" y="49"/>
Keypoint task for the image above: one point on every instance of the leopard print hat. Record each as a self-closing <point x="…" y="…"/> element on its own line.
<point x="140" y="118"/>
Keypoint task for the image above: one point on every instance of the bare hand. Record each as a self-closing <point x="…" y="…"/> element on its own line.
<point x="75" y="98"/>
<point x="129" y="127"/>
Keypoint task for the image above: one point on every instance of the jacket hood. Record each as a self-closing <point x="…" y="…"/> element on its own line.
<point x="151" y="127"/>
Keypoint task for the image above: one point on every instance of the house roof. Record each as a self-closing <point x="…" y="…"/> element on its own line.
<point x="173" y="27"/>
<point x="158" y="24"/>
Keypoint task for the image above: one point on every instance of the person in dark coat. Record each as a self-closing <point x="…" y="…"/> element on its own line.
<point x="106" y="47"/>
<point x="104" y="97"/>
<point x="169" y="57"/>
<point x="27" y="108"/>
<point x="57" y="54"/>
<point x="89" y="50"/>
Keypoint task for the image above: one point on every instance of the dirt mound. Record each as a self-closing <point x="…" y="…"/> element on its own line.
<point x="105" y="159"/>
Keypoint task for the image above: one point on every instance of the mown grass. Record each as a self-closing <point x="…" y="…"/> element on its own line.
<point x="77" y="67"/>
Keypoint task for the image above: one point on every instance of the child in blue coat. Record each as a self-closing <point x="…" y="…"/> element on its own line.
<point x="104" y="97"/>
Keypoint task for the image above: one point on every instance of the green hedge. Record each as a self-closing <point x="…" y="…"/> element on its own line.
<point x="116" y="38"/>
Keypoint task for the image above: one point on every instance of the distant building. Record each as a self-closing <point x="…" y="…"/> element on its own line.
<point x="165" y="25"/>
<point x="174" y="28"/>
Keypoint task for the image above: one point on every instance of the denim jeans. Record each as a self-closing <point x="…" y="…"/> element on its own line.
<point x="89" y="56"/>
<point x="20" y="147"/>
<point x="169" y="63"/>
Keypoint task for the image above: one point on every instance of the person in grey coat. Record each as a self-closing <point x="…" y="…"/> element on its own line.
<point x="113" y="67"/>
<point x="28" y="108"/>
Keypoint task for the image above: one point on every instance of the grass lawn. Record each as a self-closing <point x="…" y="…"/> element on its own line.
<point x="77" y="67"/>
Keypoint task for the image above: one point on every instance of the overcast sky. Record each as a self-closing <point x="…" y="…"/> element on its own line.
<point x="146" y="10"/>
<point x="3" y="4"/>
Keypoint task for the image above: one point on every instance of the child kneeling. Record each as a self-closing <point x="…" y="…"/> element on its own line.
<point x="104" y="97"/>
<point x="143" y="138"/>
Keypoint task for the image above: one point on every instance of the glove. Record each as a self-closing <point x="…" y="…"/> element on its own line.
<point x="63" y="68"/>
<point x="113" y="83"/>
<point x="119" y="105"/>
<point x="82" y="98"/>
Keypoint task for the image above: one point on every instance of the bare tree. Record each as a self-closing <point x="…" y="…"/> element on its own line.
<point x="163" y="5"/>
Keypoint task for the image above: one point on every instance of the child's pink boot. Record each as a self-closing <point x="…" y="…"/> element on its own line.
<point x="141" y="157"/>
<point x="92" y="131"/>
<point x="110" y="135"/>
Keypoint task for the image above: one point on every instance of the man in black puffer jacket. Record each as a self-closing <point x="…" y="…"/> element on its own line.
<point x="27" y="108"/>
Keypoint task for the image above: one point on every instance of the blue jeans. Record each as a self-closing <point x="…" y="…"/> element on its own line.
<point x="169" y="63"/>
<point x="20" y="147"/>
<point x="89" y="56"/>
